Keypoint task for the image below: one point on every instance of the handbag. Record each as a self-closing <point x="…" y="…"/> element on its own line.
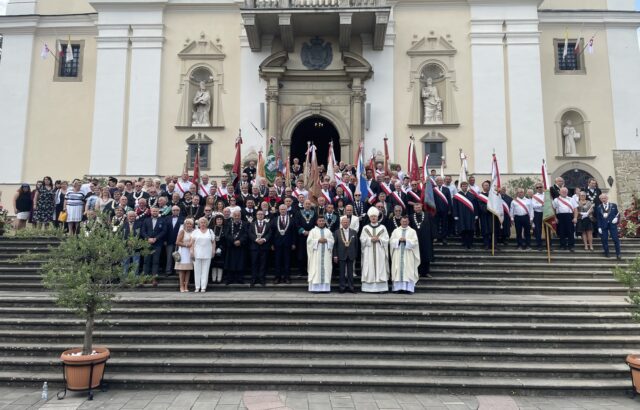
<point x="62" y="217"/>
<point x="176" y="256"/>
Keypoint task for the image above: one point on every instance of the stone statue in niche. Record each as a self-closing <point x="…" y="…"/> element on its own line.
<point x="201" y="107"/>
<point x="432" y="103"/>
<point x="570" y="137"/>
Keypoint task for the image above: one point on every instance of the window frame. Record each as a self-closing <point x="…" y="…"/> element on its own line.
<point x="205" y="146"/>
<point x="433" y="161"/>
<point x="558" y="42"/>
<point x="56" y="73"/>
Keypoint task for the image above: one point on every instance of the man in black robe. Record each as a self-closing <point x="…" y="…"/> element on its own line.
<point x="421" y="223"/>
<point x="236" y="235"/>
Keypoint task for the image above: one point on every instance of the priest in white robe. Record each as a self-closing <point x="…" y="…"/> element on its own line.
<point x="319" y="252"/>
<point x="374" y="241"/>
<point x="405" y="257"/>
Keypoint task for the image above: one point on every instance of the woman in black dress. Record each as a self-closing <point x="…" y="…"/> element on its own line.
<point x="217" y="264"/>
<point x="22" y="206"/>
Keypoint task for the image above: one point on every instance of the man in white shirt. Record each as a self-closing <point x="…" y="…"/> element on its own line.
<point x="567" y="214"/>
<point x="521" y="212"/>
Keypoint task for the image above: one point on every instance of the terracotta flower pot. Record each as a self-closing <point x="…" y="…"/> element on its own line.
<point x="77" y="369"/>
<point x="633" y="361"/>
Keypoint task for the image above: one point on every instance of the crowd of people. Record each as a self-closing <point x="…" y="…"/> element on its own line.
<point x="224" y="232"/>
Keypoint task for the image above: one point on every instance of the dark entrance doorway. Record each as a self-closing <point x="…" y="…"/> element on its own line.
<point x="320" y="132"/>
<point x="576" y="178"/>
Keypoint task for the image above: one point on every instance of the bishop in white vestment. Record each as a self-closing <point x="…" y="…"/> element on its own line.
<point x="405" y="257"/>
<point x="319" y="252"/>
<point x="374" y="242"/>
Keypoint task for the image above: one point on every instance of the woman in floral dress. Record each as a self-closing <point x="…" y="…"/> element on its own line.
<point x="44" y="203"/>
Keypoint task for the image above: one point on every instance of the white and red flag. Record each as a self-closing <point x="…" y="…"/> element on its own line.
<point x="495" y="203"/>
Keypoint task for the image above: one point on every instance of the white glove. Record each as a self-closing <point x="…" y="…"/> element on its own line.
<point x="455" y="218"/>
<point x="218" y="251"/>
<point x="476" y="217"/>
<point x="584" y="214"/>
<point x="615" y="220"/>
<point x="600" y="231"/>
<point x="533" y="225"/>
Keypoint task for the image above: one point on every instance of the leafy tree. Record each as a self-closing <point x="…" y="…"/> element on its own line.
<point x="630" y="277"/>
<point x="85" y="271"/>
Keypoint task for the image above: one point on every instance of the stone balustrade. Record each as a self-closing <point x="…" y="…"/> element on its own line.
<point x="284" y="4"/>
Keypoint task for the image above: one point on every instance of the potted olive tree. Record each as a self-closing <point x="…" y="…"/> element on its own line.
<point x="630" y="277"/>
<point x="84" y="272"/>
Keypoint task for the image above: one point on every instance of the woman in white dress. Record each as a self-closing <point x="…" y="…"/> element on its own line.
<point x="185" y="266"/>
<point x="202" y="245"/>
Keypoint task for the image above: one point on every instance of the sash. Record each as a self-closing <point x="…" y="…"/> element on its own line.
<point x="180" y="187"/>
<point x="223" y="195"/>
<point x="414" y="195"/>
<point x="464" y="201"/>
<point x="327" y="197"/>
<point x="480" y="197"/>
<point x="203" y="190"/>
<point x="523" y="206"/>
<point x="505" y="209"/>
<point x="567" y="204"/>
<point x="399" y="200"/>
<point x="372" y="197"/>
<point x="347" y="190"/>
<point x="441" y="195"/>
<point x="540" y="201"/>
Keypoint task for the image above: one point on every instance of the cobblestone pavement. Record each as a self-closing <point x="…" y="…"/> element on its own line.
<point x="22" y="399"/>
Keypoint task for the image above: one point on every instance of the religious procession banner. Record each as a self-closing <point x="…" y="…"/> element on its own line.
<point x="271" y="165"/>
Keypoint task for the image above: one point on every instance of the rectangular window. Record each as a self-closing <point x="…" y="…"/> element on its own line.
<point x="69" y="68"/>
<point x="69" y="71"/>
<point x="434" y="149"/>
<point x="204" y="156"/>
<point x="573" y="62"/>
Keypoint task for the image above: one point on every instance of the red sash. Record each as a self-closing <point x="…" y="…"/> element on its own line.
<point x="540" y="201"/>
<point x="481" y="197"/>
<point x="568" y="204"/>
<point x="399" y="200"/>
<point x="203" y="190"/>
<point x="505" y="209"/>
<point x="327" y="197"/>
<point x="414" y="196"/>
<point x="180" y="187"/>
<point x="221" y="195"/>
<point x="523" y="206"/>
<point x="464" y="201"/>
<point x="441" y="195"/>
<point x="347" y="190"/>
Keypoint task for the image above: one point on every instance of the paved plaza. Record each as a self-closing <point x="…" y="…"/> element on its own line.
<point x="22" y="399"/>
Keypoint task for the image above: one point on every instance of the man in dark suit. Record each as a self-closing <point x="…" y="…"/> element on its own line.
<point x="345" y="252"/>
<point x="154" y="232"/>
<point x="131" y="228"/>
<point x="555" y="188"/>
<point x="174" y="222"/>
<point x="284" y="235"/>
<point x="259" y="240"/>
<point x="371" y="181"/>
<point x="608" y="217"/>
<point x="442" y="199"/>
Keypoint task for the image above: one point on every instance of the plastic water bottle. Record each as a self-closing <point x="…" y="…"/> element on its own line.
<point x="45" y="391"/>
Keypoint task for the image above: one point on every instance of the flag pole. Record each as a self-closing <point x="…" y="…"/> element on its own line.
<point x="546" y="234"/>
<point x="493" y="235"/>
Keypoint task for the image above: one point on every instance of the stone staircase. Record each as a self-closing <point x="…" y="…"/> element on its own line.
<point x="504" y="324"/>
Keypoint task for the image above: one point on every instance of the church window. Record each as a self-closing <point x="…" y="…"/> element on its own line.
<point x="202" y="142"/>
<point x="69" y="70"/>
<point x="573" y="62"/>
<point x="434" y="150"/>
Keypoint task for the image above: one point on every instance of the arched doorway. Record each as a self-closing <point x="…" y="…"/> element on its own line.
<point x="320" y="131"/>
<point x="576" y="178"/>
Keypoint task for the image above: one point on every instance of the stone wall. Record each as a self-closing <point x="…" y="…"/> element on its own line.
<point x="627" y="166"/>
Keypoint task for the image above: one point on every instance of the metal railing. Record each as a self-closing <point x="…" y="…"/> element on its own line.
<point x="285" y="4"/>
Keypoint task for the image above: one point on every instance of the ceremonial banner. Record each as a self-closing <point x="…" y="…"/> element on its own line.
<point x="386" y="157"/>
<point x="237" y="162"/>
<point x="331" y="163"/>
<point x="260" y="175"/>
<point x="361" y="188"/>
<point x="463" y="169"/>
<point x="413" y="171"/>
<point x="494" y="203"/>
<point x="548" y="214"/>
<point x="428" y="200"/>
<point x="270" y="166"/>
<point x="196" y="171"/>
<point x="314" y="175"/>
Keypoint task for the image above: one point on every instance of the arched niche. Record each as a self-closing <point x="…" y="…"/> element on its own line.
<point x="202" y="60"/>
<point x="433" y="57"/>
<point x="580" y="168"/>
<point x="579" y="122"/>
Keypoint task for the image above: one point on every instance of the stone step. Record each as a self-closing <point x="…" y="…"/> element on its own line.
<point x="331" y="366"/>
<point x="422" y="287"/>
<point x="339" y="382"/>
<point x="329" y="324"/>
<point x="258" y="300"/>
<point x="185" y="312"/>
<point x="471" y="337"/>
<point x="376" y="351"/>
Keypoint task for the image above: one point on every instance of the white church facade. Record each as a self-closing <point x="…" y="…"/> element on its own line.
<point x="152" y="79"/>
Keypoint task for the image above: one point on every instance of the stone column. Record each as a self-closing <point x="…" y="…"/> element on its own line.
<point x="15" y="84"/>
<point x="272" y="109"/>
<point x="107" y="139"/>
<point x="357" y="100"/>
<point x="144" y="99"/>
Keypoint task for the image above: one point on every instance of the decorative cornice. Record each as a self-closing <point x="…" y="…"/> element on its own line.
<point x="596" y="17"/>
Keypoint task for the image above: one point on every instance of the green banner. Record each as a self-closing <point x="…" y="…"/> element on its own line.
<point x="270" y="165"/>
